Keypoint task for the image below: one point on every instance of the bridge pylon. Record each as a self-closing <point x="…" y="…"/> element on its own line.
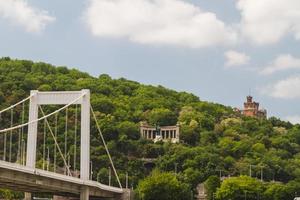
<point x="62" y="98"/>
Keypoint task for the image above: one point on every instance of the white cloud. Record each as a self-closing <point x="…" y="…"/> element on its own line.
<point x="158" y="22"/>
<point x="19" y="12"/>
<point x="267" y="21"/>
<point x="288" y="88"/>
<point x="295" y="119"/>
<point x="234" y="58"/>
<point x="281" y="63"/>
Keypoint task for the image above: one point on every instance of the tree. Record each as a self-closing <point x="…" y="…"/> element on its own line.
<point x="162" y="117"/>
<point x="193" y="176"/>
<point x="275" y="191"/>
<point x="10" y="195"/>
<point x="189" y="134"/>
<point x="242" y="187"/>
<point x="103" y="105"/>
<point x="187" y="114"/>
<point x="211" y="185"/>
<point x="162" y="186"/>
<point x="129" y="129"/>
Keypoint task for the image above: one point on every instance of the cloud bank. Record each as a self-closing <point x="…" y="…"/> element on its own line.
<point x="234" y="58"/>
<point x="157" y="22"/>
<point x="288" y="88"/>
<point x="281" y="63"/>
<point x="268" y="21"/>
<point x="20" y="13"/>
<point x="177" y="22"/>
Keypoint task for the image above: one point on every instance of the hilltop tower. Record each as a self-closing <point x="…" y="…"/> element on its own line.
<point x="251" y="109"/>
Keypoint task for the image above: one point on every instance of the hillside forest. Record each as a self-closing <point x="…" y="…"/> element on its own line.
<point x="215" y="141"/>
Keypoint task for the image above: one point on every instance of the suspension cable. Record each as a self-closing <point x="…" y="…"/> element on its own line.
<point x="104" y="143"/>
<point x="3" y="136"/>
<point x="23" y="152"/>
<point x="4" y="146"/>
<point x="66" y="133"/>
<point x="44" y="144"/>
<point x="75" y="138"/>
<point x="55" y="136"/>
<point x="46" y="116"/>
<point x="19" y="147"/>
<point x="19" y="150"/>
<point x="56" y="143"/>
<point x="22" y="130"/>
<point x="69" y="160"/>
<point x="48" y="158"/>
<point x="10" y="107"/>
<point x="4" y="140"/>
<point x="11" y="132"/>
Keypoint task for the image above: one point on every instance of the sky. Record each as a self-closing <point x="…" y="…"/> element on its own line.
<point x="219" y="50"/>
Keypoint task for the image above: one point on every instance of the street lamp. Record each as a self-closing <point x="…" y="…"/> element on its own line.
<point x="250" y="170"/>
<point x="91" y="170"/>
<point x="109" y="176"/>
<point x="175" y="167"/>
<point x="126" y="180"/>
<point x="220" y="173"/>
<point x="261" y="173"/>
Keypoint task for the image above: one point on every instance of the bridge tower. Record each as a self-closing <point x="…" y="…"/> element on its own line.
<point x="61" y="98"/>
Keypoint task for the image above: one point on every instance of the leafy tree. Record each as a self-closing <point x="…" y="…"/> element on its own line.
<point x="10" y="195"/>
<point x="163" y="186"/>
<point x="242" y="187"/>
<point x="211" y="185"/>
<point x="189" y="134"/>
<point x="161" y="116"/>
<point x="275" y="191"/>
<point x="129" y="129"/>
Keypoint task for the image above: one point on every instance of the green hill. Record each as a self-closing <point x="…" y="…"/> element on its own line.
<point x="213" y="137"/>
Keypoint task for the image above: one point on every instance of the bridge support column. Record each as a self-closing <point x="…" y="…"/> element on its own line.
<point x="27" y="196"/>
<point x="85" y="137"/>
<point x="32" y="131"/>
<point x="84" y="193"/>
<point x="128" y="194"/>
<point x="32" y="136"/>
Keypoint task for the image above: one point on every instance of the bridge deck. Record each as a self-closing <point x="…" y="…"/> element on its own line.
<point x="21" y="178"/>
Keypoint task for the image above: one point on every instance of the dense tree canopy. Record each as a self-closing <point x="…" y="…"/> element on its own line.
<point x="211" y="185"/>
<point x="163" y="186"/>
<point x="213" y="137"/>
<point x="242" y="187"/>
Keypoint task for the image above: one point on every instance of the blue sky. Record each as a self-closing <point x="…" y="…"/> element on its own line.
<point x="218" y="50"/>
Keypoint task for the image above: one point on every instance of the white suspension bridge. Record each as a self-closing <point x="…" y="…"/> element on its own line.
<point x="19" y="169"/>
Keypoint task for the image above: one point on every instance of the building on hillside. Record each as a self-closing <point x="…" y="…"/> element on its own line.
<point x="157" y="133"/>
<point x="251" y="109"/>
